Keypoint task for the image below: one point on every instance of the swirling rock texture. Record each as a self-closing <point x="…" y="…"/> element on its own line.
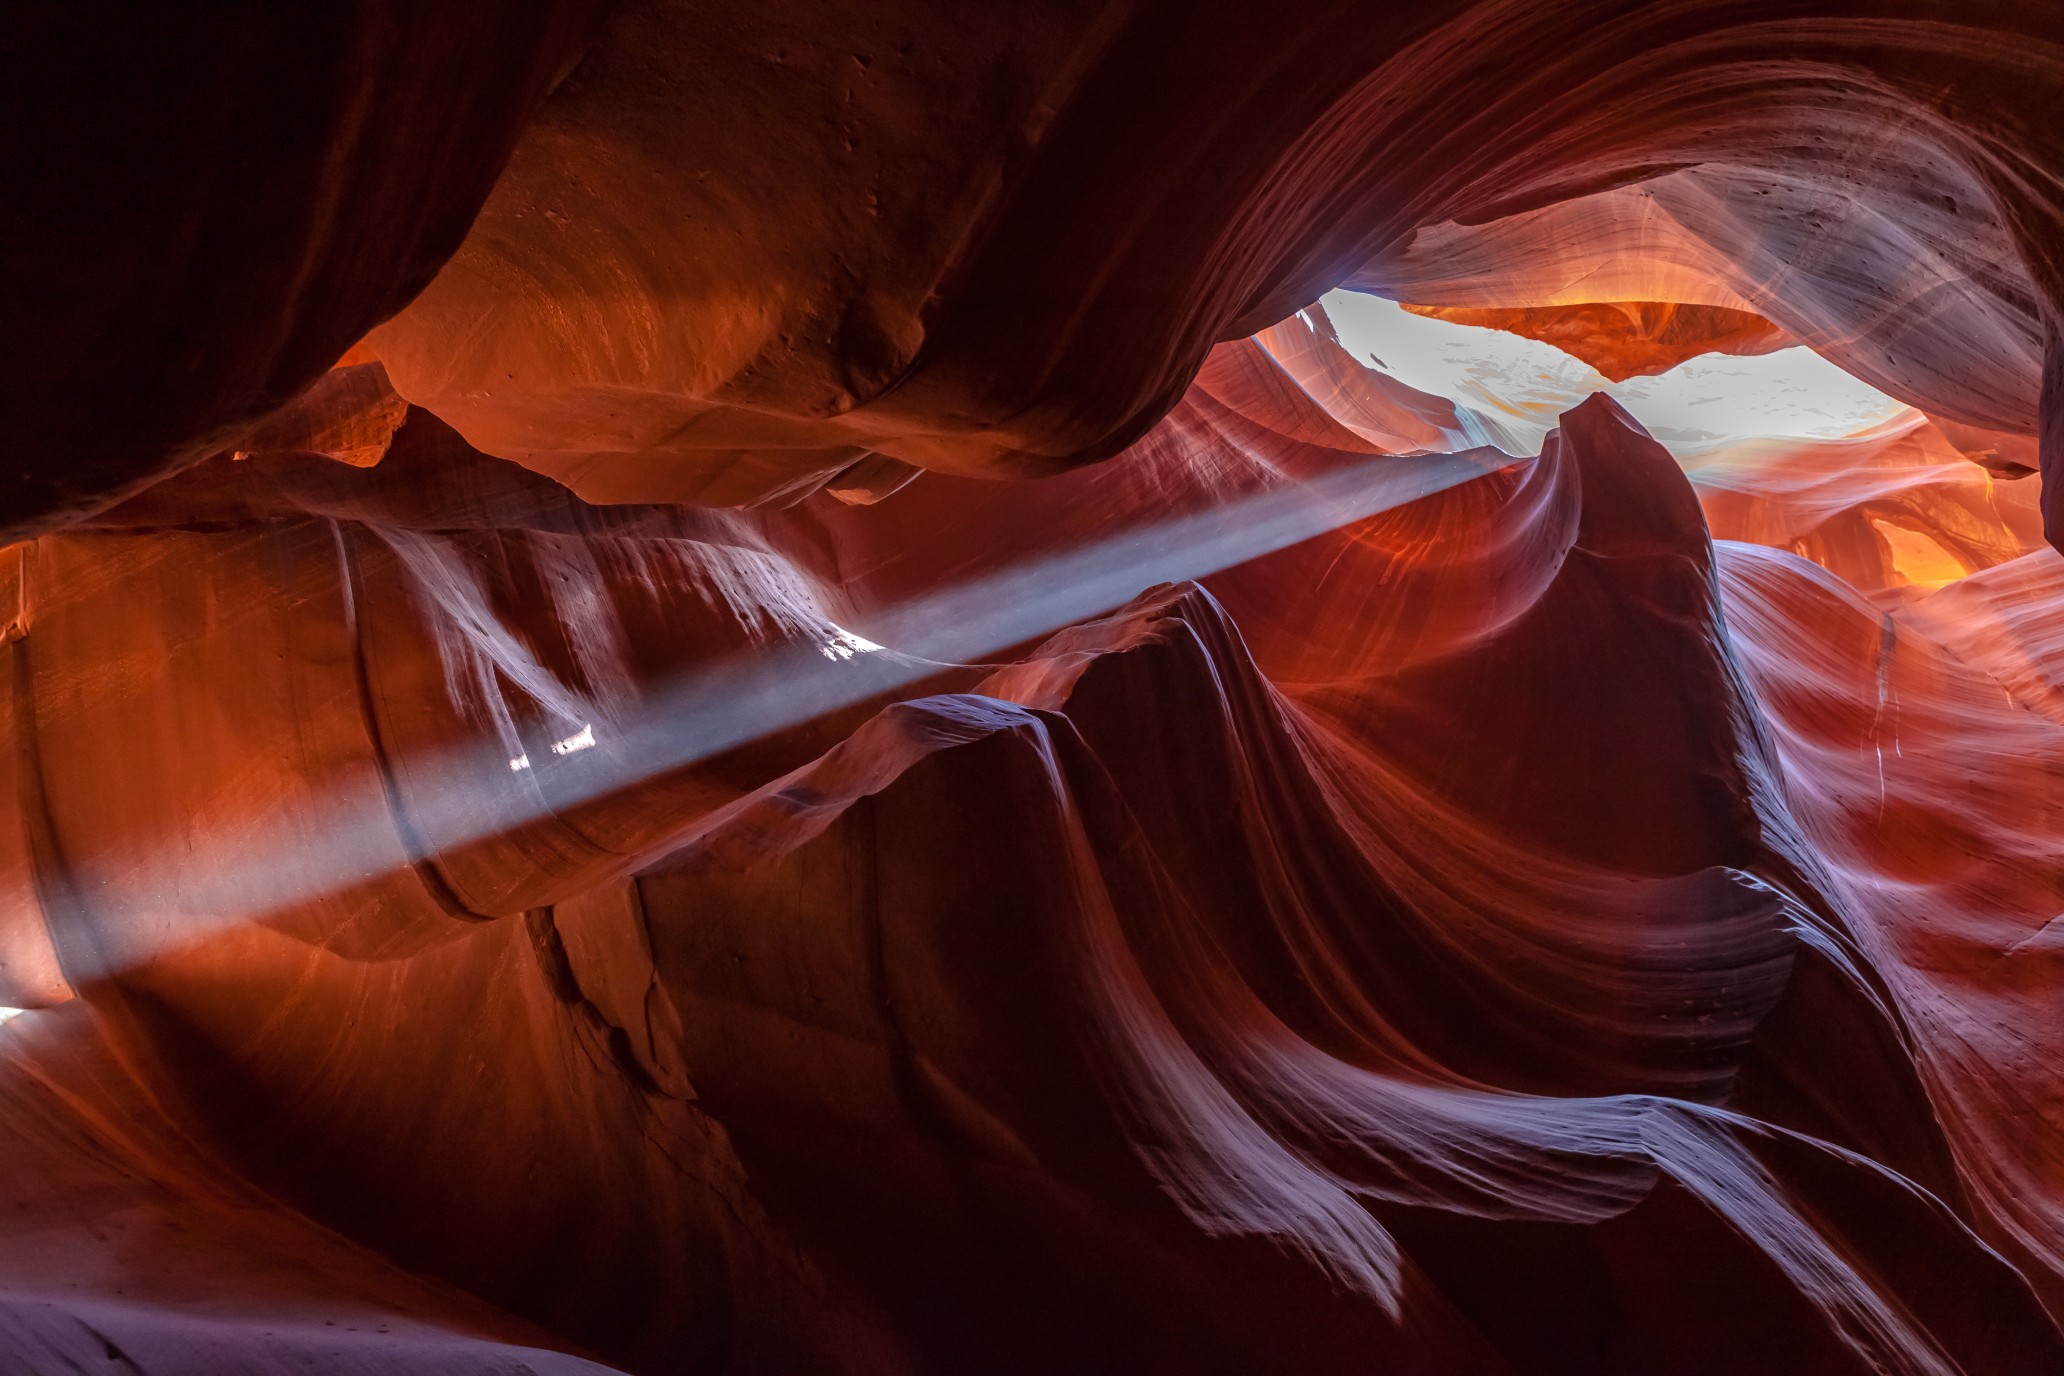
<point x="842" y="739"/>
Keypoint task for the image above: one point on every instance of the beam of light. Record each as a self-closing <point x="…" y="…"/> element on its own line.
<point x="264" y="866"/>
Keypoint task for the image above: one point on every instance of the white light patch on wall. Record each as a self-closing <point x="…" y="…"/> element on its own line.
<point x="1712" y="399"/>
<point x="583" y="739"/>
<point x="844" y="645"/>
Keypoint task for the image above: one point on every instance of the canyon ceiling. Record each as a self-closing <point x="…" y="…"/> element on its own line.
<point x="764" y="688"/>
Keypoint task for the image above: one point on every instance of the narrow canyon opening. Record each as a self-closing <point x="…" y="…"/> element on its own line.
<point x="1783" y="447"/>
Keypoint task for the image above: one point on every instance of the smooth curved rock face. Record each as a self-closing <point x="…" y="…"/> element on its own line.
<point x="1237" y="1021"/>
<point x="613" y="826"/>
<point x="1894" y="506"/>
<point x="350" y="415"/>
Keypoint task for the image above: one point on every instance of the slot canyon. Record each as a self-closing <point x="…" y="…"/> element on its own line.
<point x="1110" y="687"/>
